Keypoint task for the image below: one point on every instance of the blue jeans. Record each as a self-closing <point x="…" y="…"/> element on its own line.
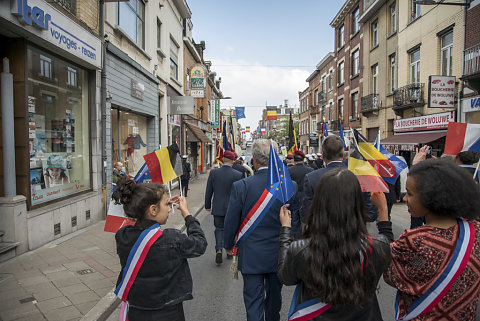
<point x="262" y="295"/>
<point x="218" y="222"/>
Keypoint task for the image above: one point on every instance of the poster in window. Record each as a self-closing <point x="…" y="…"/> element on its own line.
<point x="36" y="179"/>
<point x="55" y="171"/>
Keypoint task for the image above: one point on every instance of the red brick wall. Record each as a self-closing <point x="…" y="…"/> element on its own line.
<point x="472" y="36"/>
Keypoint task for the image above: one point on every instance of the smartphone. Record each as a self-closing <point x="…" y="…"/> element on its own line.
<point x="429" y="153"/>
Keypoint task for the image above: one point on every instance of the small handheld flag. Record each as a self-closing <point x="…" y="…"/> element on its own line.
<point x="279" y="181"/>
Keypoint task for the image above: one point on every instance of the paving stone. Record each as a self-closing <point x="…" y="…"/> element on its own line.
<point x="39" y="287"/>
<point x="77" y="266"/>
<point x="53" y="304"/>
<point x="60" y="275"/>
<point x="98" y="284"/>
<point x="12" y="293"/>
<point x="45" y="294"/>
<point x="91" y="276"/>
<point x="103" y="291"/>
<point x="76" y="288"/>
<point x="63" y="314"/>
<point x="21" y="274"/>
<point x="10" y="303"/>
<point x="62" y="283"/>
<point x="85" y="307"/>
<point x="19" y="311"/>
<point x="82" y="297"/>
<point x="53" y="269"/>
<point x="33" y="317"/>
<point x="33" y="281"/>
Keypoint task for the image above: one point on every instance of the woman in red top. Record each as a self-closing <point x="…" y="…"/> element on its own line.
<point x="443" y="194"/>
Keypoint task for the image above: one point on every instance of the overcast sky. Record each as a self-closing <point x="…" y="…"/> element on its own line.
<point x="263" y="50"/>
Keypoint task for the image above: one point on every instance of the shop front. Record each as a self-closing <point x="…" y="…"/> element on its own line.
<point x="471" y="110"/>
<point x="55" y="74"/>
<point x="132" y="111"/>
<point x="412" y="133"/>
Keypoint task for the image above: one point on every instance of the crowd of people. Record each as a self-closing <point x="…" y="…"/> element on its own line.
<point x="318" y="241"/>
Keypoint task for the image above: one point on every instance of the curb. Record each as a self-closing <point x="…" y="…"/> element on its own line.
<point x="105" y="307"/>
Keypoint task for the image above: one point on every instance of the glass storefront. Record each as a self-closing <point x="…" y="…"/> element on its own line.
<point x="58" y="122"/>
<point x="131" y="131"/>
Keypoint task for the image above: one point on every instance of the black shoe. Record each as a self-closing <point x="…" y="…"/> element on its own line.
<point x="218" y="257"/>
<point x="229" y="257"/>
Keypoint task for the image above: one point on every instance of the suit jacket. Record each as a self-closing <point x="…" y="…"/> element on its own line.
<point x="219" y="185"/>
<point x="297" y="173"/>
<point x="258" y="253"/>
<point x="310" y="184"/>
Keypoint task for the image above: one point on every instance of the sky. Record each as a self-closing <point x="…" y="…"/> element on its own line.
<point x="264" y="50"/>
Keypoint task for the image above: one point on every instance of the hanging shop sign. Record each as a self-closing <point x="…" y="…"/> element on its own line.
<point x="471" y="104"/>
<point x="197" y="81"/>
<point x="216" y="120"/>
<point x="180" y="105"/>
<point x="428" y="122"/>
<point x="441" y="91"/>
<point x="39" y="18"/>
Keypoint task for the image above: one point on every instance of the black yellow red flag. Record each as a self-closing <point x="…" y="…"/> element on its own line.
<point x="292" y="137"/>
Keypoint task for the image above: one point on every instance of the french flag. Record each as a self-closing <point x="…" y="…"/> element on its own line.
<point x="462" y="137"/>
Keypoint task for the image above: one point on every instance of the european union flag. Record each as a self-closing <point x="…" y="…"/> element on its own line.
<point x="142" y="174"/>
<point x="397" y="162"/>
<point x="325" y="132"/>
<point x="342" y="136"/>
<point x="279" y="181"/>
<point x="224" y="136"/>
<point x="240" y="111"/>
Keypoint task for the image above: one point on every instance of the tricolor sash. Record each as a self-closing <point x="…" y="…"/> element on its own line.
<point x="461" y="255"/>
<point x="314" y="307"/>
<point x="136" y="257"/>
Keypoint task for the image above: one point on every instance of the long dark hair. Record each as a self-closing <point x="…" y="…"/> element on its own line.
<point x="137" y="198"/>
<point x="338" y="241"/>
<point x="446" y="189"/>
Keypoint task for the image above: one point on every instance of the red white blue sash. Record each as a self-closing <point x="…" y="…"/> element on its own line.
<point x="314" y="307"/>
<point x="254" y="216"/>
<point x="461" y="255"/>
<point x="136" y="257"/>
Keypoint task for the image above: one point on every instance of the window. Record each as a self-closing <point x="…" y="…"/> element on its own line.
<point x="446" y="54"/>
<point x="415" y="66"/>
<point x="414" y="10"/>
<point x="45" y="66"/>
<point x="314" y="125"/>
<point x="330" y="80"/>
<point x="355" y="105"/>
<point x="173" y="59"/>
<point x="340" y="109"/>
<point x="71" y="76"/>
<point x="58" y="134"/>
<point x="393" y="18"/>
<point x="355" y="25"/>
<point x="392" y="73"/>
<point x="355" y="62"/>
<point x="341" y="78"/>
<point x="330" y="111"/>
<point x="375" y="79"/>
<point x="341" y="36"/>
<point x="324" y="83"/>
<point x="131" y="19"/>
<point x="159" y="34"/>
<point x="374" y="33"/>
<point x="316" y="97"/>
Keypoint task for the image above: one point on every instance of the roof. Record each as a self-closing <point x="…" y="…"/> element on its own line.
<point x="198" y="132"/>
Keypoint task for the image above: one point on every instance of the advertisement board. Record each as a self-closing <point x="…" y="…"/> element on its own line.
<point x="428" y="122"/>
<point x="441" y="91"/>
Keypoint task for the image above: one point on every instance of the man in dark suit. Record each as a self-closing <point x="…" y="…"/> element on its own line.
<point x="297" y="173"/>
<point x="258" y="253"/>
<point x="333" y="157"/>
<point x="219" y="185"/>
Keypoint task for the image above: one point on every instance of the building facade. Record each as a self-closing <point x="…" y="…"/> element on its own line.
<point x="53" y="185"/>
<point x="349" y="39"/>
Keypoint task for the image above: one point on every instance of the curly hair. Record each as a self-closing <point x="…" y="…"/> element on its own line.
<point x="137" y="198"/>
<point x="337" y="241"/>
<point x="446" y="189"/>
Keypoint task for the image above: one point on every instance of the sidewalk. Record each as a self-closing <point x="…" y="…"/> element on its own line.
<point x="72" y="278"/>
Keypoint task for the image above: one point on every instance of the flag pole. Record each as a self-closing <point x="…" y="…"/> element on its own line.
<point x="180" y="184"/>
<point x="476" y="170"/>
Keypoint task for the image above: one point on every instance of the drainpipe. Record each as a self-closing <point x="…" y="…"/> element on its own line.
<point x="103" y="102"/>
<point x="8" y="141"/>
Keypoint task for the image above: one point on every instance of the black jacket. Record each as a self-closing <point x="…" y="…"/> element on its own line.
<point x="297" y="173"/>
<point x="292" y="269"/>
<point x="164" y="278"/>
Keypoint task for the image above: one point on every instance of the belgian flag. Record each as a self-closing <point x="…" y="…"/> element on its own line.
<point x="271" y="112"/>
<point x="161" y="164"/>
<point x="370" y="180"/>
<point x="292" y="138"/>
<point x="380" y="163"/>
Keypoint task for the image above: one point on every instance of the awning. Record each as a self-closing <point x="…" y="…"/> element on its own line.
<point x="414" y="138"/>
<point x="198" y="132"/>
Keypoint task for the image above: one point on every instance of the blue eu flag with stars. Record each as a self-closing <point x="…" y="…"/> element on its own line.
<point x="142" y="175"/>
<point x="279" y="181"/>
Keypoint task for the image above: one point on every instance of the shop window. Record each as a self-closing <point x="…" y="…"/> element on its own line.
<point x="45" y="66"/>
<point x="58" y="129"/>
<point x="129" y="135"/>
<point x="131" y="19"/>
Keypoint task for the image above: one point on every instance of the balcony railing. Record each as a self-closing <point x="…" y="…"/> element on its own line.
<point x="409" y="96"/>
<point x="471" y="57"/>
<point x="369" y="103"/>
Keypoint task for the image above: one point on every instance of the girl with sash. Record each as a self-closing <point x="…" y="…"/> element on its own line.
<point x="335" y="264"/>
<point x="436" y="267"/>
<point x="155" y="278"/>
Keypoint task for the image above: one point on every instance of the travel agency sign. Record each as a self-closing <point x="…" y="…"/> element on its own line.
<point x="197" y="81"/>
<point x="39" y="18"/>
